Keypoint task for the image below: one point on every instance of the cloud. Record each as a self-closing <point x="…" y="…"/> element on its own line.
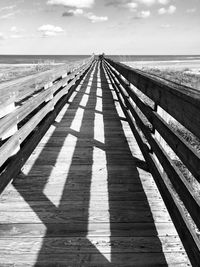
<point x="152" y="2"/>
<point x="80" y="12"/>
<point x="143" y="14"/>
<point x="93" y="18"/>
<point x="166" y="26"/>
<point x="191" y="10"/>
<point x="170" y="10"/>
<point x="7" y="8"/>
<point x="131" y="6"/>
<point x="50" y="30"/>
<point x="72" y="3"/>
<point x="2" y="37"/>
<point x="8" y="15"/>
<point x="163" y="2"/>
<point x="162" y="11"/>
<point x="16" y="33"/>
<point x="14" y="29"/>
<point x="16" y="36"/>
<point x="73" y="12"/>
<point x="67" y="14"/>
<point x="116" y="3"/>
<point x="147" y="2"/>
<point x="123" y="4"/>
<point x="133" y="3"/>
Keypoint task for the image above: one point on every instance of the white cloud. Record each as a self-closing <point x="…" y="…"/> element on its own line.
<point x="72" y="3"/>
<point x="73" y="12"/>
<point x="8" y="15"/>
<point x="16" y="36"/>
<point x="93" y="18"/>
<point x="13" y="29"/>
<point x="77" y="11"/>
<point x="7" y="8"/>
<point x="2" y="37"/>
<point x="162" y="11"/>
<point x="166" y="26"/>
<point x="50" y="30"/>
<point x="163" y="2"/>
<point x="131" y="6"/>
<point x="146" y="2"/>
<point x="170" y="10"/>
<point x="191" y="10"/>
<point x="143" y="14"/>
<point x="133" y="3"/>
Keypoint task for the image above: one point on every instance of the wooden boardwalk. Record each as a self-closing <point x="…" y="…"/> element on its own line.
<point x="85" y="196"/>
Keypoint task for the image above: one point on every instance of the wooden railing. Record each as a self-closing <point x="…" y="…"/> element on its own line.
<point x="149" y="121"/>
<point x="28" y="106"/>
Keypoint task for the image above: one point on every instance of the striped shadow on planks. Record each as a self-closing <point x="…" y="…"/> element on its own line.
<point x="80" y="200"/>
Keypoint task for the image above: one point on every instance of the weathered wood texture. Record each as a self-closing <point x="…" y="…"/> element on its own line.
<point x="171" y="175"/>
<point x="85" y="197"/>
<point x="181" y="102"/>
<point x="27" y="117"/>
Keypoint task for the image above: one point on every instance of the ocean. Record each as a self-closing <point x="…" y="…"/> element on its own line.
<point x="34" y="59"/>
<point x="132" y="58"/>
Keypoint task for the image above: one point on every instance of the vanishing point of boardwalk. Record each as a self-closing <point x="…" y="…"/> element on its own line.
<point x="85" y="196"/>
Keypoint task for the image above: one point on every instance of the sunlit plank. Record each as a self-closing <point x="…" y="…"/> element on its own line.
<point x="99" y="105"/>
<point x="26" y="169"/>
<point x="99" y="134"/>
<point x="84" y="100"/>
<point x="99" y="167"/>
<point x="77" y="121"/>
<point x="62" y="113"/>
<point x="67" y="150"/>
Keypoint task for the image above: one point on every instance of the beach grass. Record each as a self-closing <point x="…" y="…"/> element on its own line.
<point x="10" y="72"/>
<point x="186" y="76"/>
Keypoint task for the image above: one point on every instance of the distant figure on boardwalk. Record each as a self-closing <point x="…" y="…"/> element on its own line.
<point x="101" y="56"/>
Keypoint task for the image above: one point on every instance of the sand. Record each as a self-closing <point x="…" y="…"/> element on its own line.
<point x="187" y="65"/>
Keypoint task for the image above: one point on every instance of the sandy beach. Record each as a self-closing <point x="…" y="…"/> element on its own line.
<point x="13" y="71"/>
<point x="185" y="72"/>
<point x="190" y="65"/>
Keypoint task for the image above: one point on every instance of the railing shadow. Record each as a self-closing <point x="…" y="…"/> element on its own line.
<point x="80" y="188"/>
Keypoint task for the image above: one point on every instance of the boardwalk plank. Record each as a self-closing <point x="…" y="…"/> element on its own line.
<point x="96" y="229"/>
<point x="90" y="260"/>
<point x="85" y="196"/>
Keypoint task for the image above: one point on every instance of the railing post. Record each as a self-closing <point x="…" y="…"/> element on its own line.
<point x="167" y="118"/>
<point x="50" y="97"/>
<point x="7" y="107"/>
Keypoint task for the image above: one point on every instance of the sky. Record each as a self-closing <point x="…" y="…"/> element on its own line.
<point x="129" y="27"/>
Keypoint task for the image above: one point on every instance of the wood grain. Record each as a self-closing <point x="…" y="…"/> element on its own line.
<point x="140" y="130"/>
<point x="84" y="197"/>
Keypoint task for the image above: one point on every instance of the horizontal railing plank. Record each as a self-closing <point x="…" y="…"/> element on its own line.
<point x="182" y="149"/>
<point x="182" y="187"/>
<point x="41" y="103"/>
<point x="18" y="160"/>
<point x="171" y="175"/>
<point x="181" y="102"/>
<point x="25" y="86"/>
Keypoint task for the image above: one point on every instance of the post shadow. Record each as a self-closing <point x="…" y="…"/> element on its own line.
<point x="66" y="240"/>
<point x="70" y="218"/>
<point x="128" y="205"/>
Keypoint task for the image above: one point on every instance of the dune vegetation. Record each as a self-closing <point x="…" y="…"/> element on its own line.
<point x="191" y="79"/>
<point x="187" y="77"/>
<point x="13" y="71"/>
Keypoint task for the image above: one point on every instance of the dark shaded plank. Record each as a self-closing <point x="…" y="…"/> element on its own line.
<point x="96" y="229"/>
<point x="85" y="260"/>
